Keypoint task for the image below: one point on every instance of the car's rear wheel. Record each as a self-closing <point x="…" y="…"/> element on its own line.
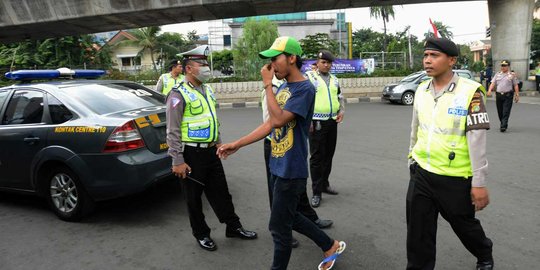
<point x="67" y="196"/>
<point x="407" y="98"/>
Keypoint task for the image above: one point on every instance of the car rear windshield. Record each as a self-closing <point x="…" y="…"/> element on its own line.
<point x="105" y="98"/>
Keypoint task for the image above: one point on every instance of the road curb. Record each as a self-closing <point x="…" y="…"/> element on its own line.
<point x="252" y="104"/>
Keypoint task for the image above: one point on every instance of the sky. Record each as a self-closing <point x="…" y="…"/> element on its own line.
<point x="466" y="20"/>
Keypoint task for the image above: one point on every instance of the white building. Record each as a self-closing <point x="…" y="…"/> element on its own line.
<point x="223" y="34"/>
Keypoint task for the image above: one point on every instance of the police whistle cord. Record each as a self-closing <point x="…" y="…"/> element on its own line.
<point x="195" y="180"/>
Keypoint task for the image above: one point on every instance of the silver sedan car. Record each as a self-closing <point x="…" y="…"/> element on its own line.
<point x="403" y="91"/>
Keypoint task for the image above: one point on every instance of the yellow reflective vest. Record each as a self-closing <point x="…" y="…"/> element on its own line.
<point x="199" y="122"/>
<point x="169" y="82"/>
<point x="441" y="128"/>
<point x="326" y="99"/>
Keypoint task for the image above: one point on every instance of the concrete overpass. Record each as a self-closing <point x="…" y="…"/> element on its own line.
<point x="37" y="19"/>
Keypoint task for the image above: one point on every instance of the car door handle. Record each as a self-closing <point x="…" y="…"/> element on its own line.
<point x="31" y="140"/>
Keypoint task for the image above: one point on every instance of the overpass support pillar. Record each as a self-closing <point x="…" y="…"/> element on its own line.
<point x="511" y="27"/>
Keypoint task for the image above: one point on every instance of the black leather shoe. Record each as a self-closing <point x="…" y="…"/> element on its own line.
<point x="241" y="233"/>
<point x="207" y="243"/>
<point x="323" y="223"/>
<point x="295" y="243"/>
<point x="315" y="201"/>
<point x="330" y="190"/>
<point x="487" y="265"/>
<point x="503" y="129"/>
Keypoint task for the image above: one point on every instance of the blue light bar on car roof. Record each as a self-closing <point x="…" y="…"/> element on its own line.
<point x="21" y="75"/>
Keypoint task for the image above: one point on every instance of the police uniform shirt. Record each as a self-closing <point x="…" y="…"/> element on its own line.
<point x="476" y="130"/>
<point x="505" y="81"/>
<point x="175" y="113"/>
<point x="326" y="79"/>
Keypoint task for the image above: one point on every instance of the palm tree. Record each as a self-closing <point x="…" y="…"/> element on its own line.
<point x="444" y="30"/>
<point x="147" y="40"/>
<point x="384" y="12"/>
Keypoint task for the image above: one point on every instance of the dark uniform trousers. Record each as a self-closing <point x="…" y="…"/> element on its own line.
<point x="304" y="207"/>
<point x="206" y="167"/>
<point x="504" y="106"/>
<point x="430" y="194"/>
<point x="322" y="146"/>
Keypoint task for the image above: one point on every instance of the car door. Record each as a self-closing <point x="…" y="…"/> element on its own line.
<point x="22" y="135"/>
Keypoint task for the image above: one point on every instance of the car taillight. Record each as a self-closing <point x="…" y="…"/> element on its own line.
<point x="123" y="138"/>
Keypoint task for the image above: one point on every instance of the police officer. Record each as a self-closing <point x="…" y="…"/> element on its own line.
<point x="192" y="136"/>
<point x="328" y="112"/>
<point x="448" y="162"/>
<point x="168" y="80"/>
<point x="304" y="207"/>
<point x="537" y="77"/>
<point x="506" y="84"/>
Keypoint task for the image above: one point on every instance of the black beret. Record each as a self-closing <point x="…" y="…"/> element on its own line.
<point x="505" y="63"/>
<point x="326" y="55"/>
<point x="442" y="45"/>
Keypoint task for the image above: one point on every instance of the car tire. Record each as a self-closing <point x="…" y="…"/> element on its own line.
<point x="407" y="98"/>
<point x="67" y="196"/>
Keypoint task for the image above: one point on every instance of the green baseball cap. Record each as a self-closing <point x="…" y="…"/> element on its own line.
<point x="282" y="45"/>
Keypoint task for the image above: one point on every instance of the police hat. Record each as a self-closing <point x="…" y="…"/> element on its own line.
<point x="174" y="63"/>
<point x="326" y="55"/>
<point x="199" y="53"/>
<point x="505" y="63"/>
<point x="442" y="45"/>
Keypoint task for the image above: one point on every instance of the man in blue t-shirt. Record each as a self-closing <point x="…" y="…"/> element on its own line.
<point x="290" y="112"/>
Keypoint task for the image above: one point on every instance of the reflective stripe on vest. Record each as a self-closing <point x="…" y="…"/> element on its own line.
<point x="441" y="129"/>
<point x="199" y="122"/>
<point x="326" y="98"/>
<point x="169" y="82"/>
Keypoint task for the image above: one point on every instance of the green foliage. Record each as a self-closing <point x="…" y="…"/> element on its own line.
<point x="477" y="66"/>
<point x="535" y="41"/>
<point x="52" y="53"/>
<point x="257" y="36"/>
<point x="444" y="30"/>
<point x="383" y="12"/>
<point x="465" y="58"/>
<point x="170" y="44"/>
<point x="223" y="61"/>
<point x="147" y="40"/>
<point x="312" y="44"/>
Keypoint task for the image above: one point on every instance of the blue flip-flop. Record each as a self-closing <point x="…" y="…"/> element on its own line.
<point x="332" y="258"/>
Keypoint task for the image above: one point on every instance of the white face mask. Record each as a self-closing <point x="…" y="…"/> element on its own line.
<point x="204" y="74"/>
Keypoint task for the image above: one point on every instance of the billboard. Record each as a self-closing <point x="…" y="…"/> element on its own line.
<point x="360" y="66"/>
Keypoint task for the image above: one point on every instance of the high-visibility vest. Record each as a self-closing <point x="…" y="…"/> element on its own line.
<point x="199" y="122"/>
<point x="441" y="129"/>
<point x="326" y="99"/>
<point x="169" y="82"/>
<point x="538" y="71"/>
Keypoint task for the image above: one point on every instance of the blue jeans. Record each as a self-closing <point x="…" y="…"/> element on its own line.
<point x="285" y="217"/>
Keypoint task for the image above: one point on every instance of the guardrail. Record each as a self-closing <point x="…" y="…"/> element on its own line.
<point x="232" y="92"/>
<point x="251" y="91"/>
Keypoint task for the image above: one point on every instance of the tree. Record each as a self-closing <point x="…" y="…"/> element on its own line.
<point x="70" y="51"/>
<point x="170" y="44"/>
<point x="384" y="12"/>
<point x="257" y="36"/>
<point x="312" y="44"/>
<point x="223" y="61"/>
<point x="366" y="40"/>
<point x="465" y="58"/>
<point x="147" y="41"/>
<point x="444" y="30"/>
<point x="535" y="41"/>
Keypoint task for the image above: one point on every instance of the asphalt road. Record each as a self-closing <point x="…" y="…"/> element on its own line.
<point x="151" y="230"/>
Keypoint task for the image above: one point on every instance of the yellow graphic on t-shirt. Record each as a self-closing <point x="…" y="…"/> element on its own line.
<point x="283" y="138"/>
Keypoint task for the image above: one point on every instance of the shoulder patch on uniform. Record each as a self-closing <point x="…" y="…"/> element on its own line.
<point x="174" y="102"/>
